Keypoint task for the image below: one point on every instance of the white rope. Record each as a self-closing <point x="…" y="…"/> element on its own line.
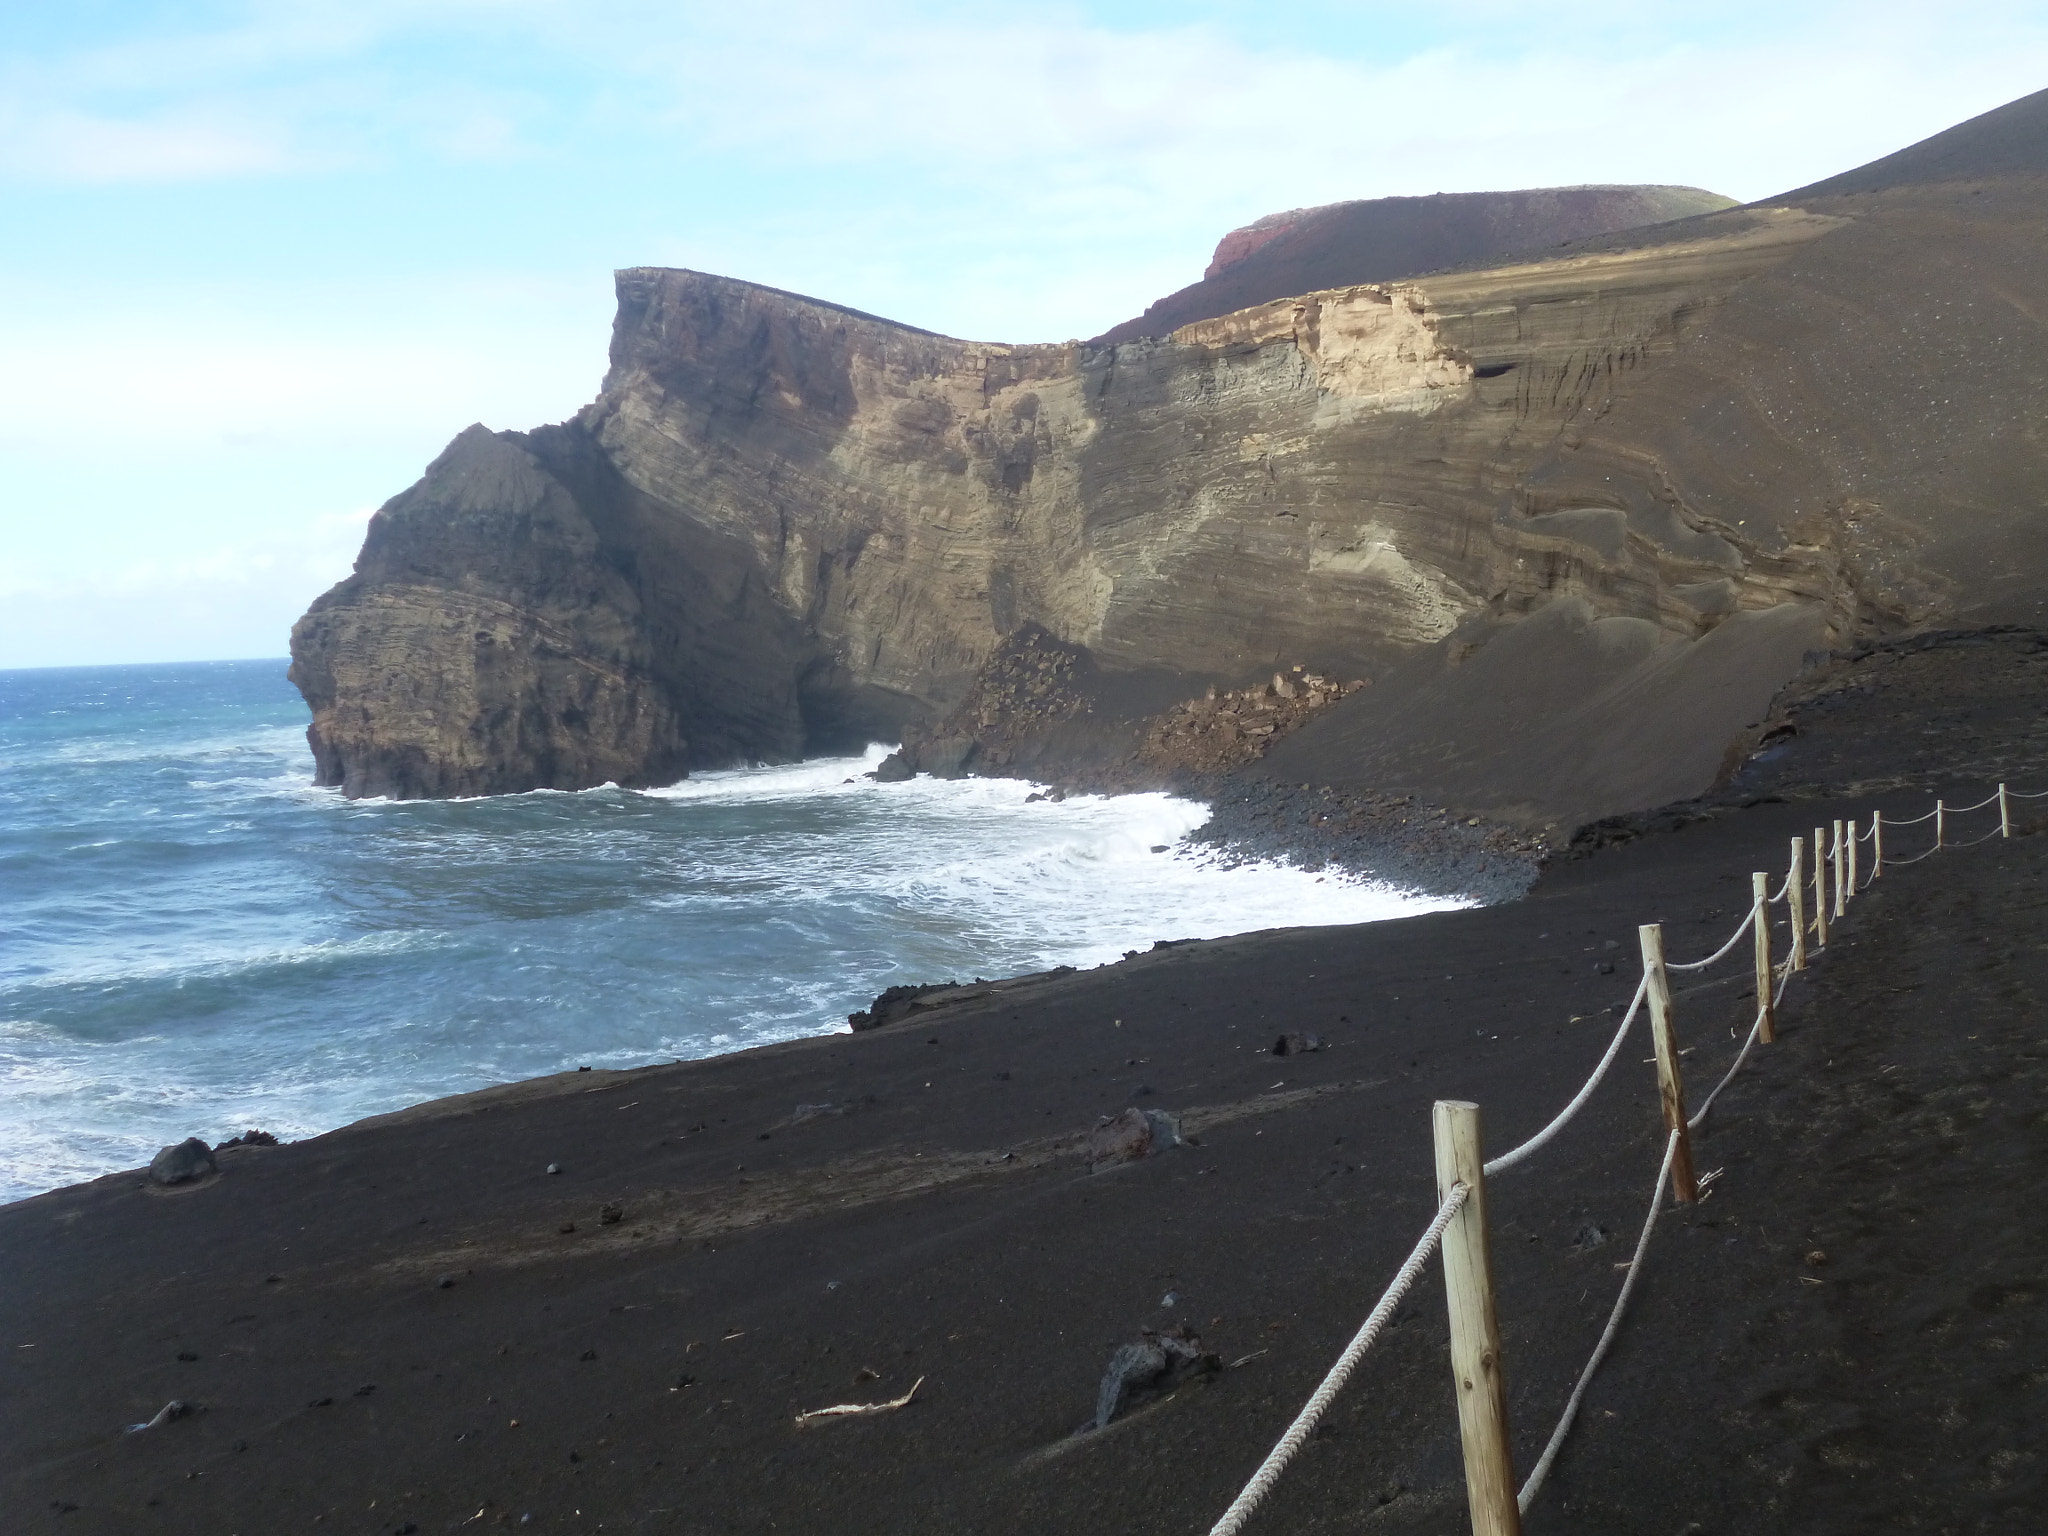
<point x="2020" y="794"/>
<point x="1305" y="1422"/>
<point x="1536" y="1143"/>
<point x="1973" y="842"/>
<point x="1733" y="939"/>
<point x="1741" y="1056"/>
<point x="1783" y="890"/>
<point x="1755" y="1032"/>
<point x="1571" y="1408"/>
<point x="1958" y="810"/>
<point x="1930" y="853"/>
<point x="1893" y="821"/>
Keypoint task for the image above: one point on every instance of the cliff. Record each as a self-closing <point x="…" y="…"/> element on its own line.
<point x="1575" y="518"/>
<point x="1379" y="239"/>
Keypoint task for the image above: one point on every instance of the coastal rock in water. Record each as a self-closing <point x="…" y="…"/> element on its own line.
<point x="486" y="643"/>
<point x="190" y="1159"/>
<point x="893" y="770"/>
<point x="946" y="758"/>
<point x="1130" y="1136"/>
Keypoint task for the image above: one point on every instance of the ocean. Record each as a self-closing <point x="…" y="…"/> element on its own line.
<point x="196" y="941"/>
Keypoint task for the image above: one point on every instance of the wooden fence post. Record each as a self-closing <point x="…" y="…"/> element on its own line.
<point x="1767" y="1023"/>
<point x="1877" y="845"/>
<point x="1940" y="822"/>
<point x="1795" y="897"/>
<point x="1670" y="1086"/>
<point x="1842" y="904"/>
<point x="1475" y="1333"/>
<point x="2004" y="814"/>
<point x="1850" y="893"/>
<point x="1820" y="888"/>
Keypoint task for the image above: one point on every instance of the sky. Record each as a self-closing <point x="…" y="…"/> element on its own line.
<point x="261" y="259"/>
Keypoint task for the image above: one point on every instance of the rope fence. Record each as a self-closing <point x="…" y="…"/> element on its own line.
<point x="1570" y="1415"/>
<point x="1930" y="853"/>
<point x="1973" y="842"/>
<point x="1459" y="1228"/>
<point x="1312" y="1411"/>
<point x="1748" y="1044"/>
<point x="1542" y="1138"/>
<point x="1734" y="938"/>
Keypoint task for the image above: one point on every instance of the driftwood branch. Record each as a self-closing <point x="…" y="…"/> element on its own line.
<point x="854" y="1410"/>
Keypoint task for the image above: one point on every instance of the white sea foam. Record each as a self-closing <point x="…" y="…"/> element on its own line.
<point x="1078" y="881"/>
<point x="814" y="776"/>
<point x="187" y="963"/>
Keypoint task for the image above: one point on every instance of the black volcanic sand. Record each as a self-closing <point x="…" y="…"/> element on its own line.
<point x="1399" y="838"/>
<point x="642" y="1375"/>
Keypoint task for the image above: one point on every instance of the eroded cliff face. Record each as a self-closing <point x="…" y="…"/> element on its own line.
<point x="785" y="526"/>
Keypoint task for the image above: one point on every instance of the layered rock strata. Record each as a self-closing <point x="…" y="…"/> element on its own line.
<point x="1695" y="454"/>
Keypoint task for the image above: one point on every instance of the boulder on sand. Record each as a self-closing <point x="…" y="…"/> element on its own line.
<point x="190" y="1159"/>
<point x="1130" y="1136"/>
<point x="1157" y="1363"/>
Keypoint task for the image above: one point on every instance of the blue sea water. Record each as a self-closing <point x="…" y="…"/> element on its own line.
<point x="194" y="940"/>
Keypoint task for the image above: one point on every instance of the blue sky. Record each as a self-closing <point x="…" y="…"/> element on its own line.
<point x="262" y="259"/>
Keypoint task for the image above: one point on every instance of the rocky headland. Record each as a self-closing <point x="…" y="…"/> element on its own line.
<point x="1572" y="517"/>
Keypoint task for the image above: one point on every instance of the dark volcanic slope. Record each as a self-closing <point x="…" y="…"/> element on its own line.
<point x="1376" y="240"/>
<point x="643" y="1374"/>
<point x="1565" y="718"/>
<point x="2005" y="141"/>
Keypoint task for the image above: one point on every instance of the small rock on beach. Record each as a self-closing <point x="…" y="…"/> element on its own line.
<point x="190" y="1159"/>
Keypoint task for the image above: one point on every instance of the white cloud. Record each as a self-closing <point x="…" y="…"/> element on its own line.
<point x="65" y="145"/>
<point x="1078" y="117"/>
<point x="293" y="85"/>
<point x="318" y="550"/>
<point x="181" y="480"/>
<point x="218" y="602"/>
<point x="334" y="366"/>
